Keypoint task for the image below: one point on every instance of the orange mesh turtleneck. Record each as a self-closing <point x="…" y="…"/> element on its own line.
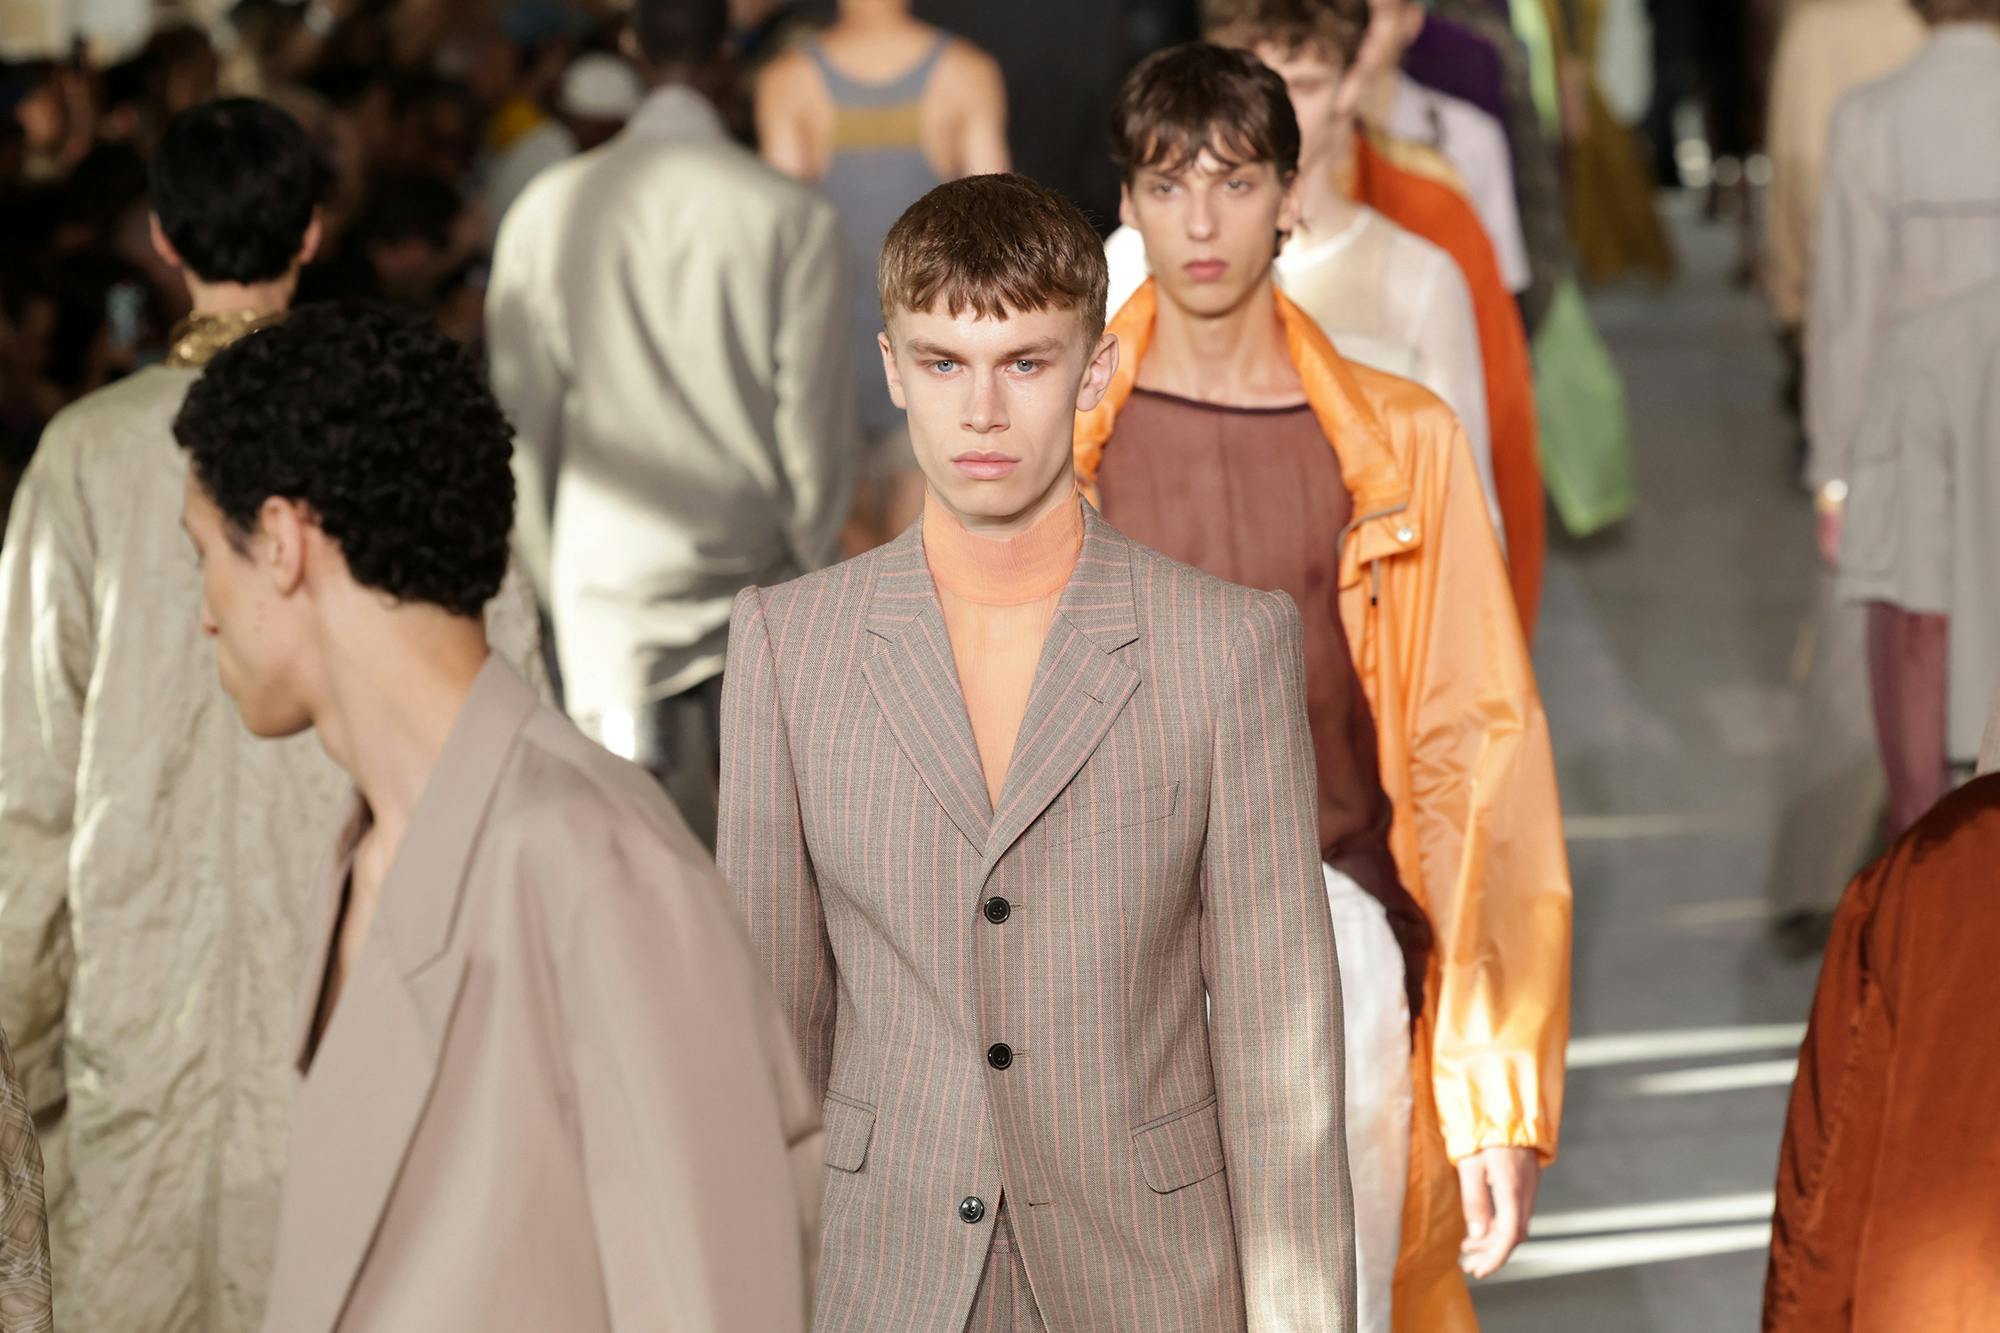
<point x="999" y="595"/>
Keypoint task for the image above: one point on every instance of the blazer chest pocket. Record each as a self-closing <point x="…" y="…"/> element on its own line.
<point x="1183" y="1149"/>
<point x="849" y="1127"/>
<point x="1122" y="810"/>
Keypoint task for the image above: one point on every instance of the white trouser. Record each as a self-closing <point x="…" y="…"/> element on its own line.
<point x="1378" y="1088"/>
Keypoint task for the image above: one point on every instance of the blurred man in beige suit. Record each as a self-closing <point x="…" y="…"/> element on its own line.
<point x="665" y="318"/>
<point x="543" y="1084"/>
<point x="1007" y="802"/>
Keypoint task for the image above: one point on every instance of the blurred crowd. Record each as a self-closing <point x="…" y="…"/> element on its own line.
<point x="426" y="127"/>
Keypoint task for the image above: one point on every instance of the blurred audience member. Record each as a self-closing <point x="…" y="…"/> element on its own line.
<point x="659" y="320"/>
<point x="409" y="235"/>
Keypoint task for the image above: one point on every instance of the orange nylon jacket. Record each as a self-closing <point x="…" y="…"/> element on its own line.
<point x="1465" y="758"/>
<point x="1391" y="178"/>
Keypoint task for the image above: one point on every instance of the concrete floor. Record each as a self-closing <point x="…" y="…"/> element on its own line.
<point x="1665" y="656"/>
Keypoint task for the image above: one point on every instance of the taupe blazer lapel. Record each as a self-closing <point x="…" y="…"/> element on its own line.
<point x="915" y="680"/>
<point x="373" y="1070"/>
<point x="1081" y="685"/>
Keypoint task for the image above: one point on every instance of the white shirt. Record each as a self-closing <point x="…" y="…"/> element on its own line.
<point x="1476" y="146"/>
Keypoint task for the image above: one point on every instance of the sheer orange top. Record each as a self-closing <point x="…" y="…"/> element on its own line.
<point x="999" y="595"/>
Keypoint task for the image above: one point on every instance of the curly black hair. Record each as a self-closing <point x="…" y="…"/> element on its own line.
<point x="383" y="427"/>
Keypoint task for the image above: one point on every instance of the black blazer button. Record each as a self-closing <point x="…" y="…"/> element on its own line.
<point x="971" y="1211"/>
<point x="998" y="910"/>
<point x="1000" y="1055"/>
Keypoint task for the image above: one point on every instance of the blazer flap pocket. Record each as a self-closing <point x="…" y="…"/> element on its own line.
<point x="849" y="1127"/>
<point x="1123" y="810"/>
<point x="1182" y="1150"/>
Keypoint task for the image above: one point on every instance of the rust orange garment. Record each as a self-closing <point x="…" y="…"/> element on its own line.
<point x="1888" y="1213"/>
<point x="1477" y="832"/>
<point x="1419" y="201"/>
<point x="998" y="595"/>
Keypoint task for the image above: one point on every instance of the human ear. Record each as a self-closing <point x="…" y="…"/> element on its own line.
<point x="280" y="544"/>
<point x="163" y="247"/>
<point x="1097" y="375"/>
<point x="890" y="372"/>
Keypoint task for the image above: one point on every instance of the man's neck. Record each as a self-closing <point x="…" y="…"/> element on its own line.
<point x="708" y="82"/>
<point x="1378" y="100"/>
<point x="874" y="12"/>
<point x="1061" y="492"/>
<point x="393" y="692"/>
<point x="1236" y="359"/>
<point x="238" y="298"/>
<point x="1326" y="192"/>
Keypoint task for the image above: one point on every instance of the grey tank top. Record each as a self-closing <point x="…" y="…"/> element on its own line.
<point x="877" y="170"/>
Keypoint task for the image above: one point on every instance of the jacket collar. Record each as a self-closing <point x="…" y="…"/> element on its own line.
<point x="375" y="1064"/>
<point x="1081" y="685"/>
<point x="675" y="111"/>
<point x="1368" y="463"/>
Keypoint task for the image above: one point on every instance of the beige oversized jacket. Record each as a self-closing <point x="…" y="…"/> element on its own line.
<point x="157" y="866"/>
<point x="1827" y="48"/>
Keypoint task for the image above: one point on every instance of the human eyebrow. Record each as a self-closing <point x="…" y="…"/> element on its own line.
<point x="923" y="347"/>
<point x="1040" y="347"/>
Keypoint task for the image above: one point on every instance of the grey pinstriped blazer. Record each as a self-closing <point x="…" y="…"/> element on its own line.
<point x="1154" y="844"/>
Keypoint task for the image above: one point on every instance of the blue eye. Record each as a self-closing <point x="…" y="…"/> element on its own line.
<point x="943" y="367"/>
<point x="1027" y="367"/>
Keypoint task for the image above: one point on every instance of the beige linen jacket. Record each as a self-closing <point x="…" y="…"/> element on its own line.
<point x="1826" y="49"/>
<point x="1924" y="488"/>
<point x="155" y="864"/>
<point x="1008" y="1003"/>
<point x="1909" y="216"/>
<point x="666" y="322"/>
<point x="554" y="1092"/>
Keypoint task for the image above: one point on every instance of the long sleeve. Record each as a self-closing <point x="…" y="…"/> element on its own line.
<point x="46" y="650"/>
<point x="1447" y="334"/>
<point x="528" y="380"/>
<point x="1897" y="541"/>
<point x="701" y="1143"/>
<point x="1851" y="262"/>
<point x="1274" y="989"/>
<point x="815" y="424"/>
<point x="1838" y="1102"/>
<point x="1495" y="877"/>
<point x="761" y="843"/>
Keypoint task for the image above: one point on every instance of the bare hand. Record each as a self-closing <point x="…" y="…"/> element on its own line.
<point x="1497" y="1187"/>
<point x="1829" y="535"/>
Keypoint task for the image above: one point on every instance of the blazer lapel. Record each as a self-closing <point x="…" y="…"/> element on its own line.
<point x="1081" y="686"/>
<point x="915" y="680"/>
<point x="372" y="1073"/>
<point x="356" y="1114"/>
